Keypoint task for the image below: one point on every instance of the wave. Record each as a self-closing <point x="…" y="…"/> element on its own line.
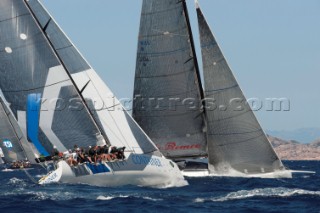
<point x="17" y="182"/>
<point x="7" y="170"/>
<point x="127" y="196"/>
<point x="111" y="197"/>
<point x="265" y="192"/>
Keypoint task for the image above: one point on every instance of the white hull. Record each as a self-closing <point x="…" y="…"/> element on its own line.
<point x="140" y="170"/>
<point x="206" y="173"/>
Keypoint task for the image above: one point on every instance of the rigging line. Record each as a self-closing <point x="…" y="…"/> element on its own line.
<point x="107" y="108"/>
<point x="222" y="89"/>
<point x="35" y="88"/>
<point x="238" y="142"/>
<point x="166" y="75"/>
<point x="115" y="135"/>
<point x="236" y="133"/>
<point x="161" y="54"/>
<point x="14" y="17"/>
<point x="170" y="95"/>
<point x="62" y="48"/>
<point x="93" y="119"/>
<point x="119" y="129"/>
<point x="174" y="115"/>
<point x="30" y="177"/>
<point x="160" y="11"/>
<point x="222" y="119"/>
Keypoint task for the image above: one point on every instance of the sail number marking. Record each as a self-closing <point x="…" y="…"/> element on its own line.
<point x="7" y="144"/>
<point x="144" y="160"/>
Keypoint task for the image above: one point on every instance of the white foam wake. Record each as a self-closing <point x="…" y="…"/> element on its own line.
<point x="111" y="197"/>
<point x="127" y="196"/>
<point x="266" y="192"/>
<point x="7" y="170"/>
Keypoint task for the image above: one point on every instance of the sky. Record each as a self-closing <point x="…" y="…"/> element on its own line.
<point x="273" y="48"/>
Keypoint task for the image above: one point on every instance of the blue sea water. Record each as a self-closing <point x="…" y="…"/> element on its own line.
<point x="211" y="194"/>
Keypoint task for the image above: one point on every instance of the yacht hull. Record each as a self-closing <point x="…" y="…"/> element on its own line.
<point x="140" y="170"/>
<point x="206" y="173"/>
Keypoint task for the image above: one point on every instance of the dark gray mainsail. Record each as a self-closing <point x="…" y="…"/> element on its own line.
<point x="30" y="66"/>
<point x="235" y="137"/>
<point x="167" y="88"/>
<point x="13" y="143"/>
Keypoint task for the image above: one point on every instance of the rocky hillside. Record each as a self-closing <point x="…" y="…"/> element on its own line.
<point x="293" y="150"/>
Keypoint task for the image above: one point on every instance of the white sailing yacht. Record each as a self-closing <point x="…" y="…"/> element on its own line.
<point x="186" y="120"/>
<point x="54" y="95"/>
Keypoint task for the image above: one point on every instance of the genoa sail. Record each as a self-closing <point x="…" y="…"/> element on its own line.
<point x="235" y="137"/>
<point x="167" y="91"/>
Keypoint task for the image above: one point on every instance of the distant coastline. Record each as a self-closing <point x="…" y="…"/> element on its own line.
<point x="294" y="150"/>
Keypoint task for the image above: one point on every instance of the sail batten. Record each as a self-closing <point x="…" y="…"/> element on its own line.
<point x="235" y="137"/>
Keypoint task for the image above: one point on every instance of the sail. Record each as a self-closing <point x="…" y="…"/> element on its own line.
<point x="114" y="122"/>
<point x="11" y="137"/>
<point x="235" y="138"/>
<point x="167" y="90"/>
<point x="29" y="66"/>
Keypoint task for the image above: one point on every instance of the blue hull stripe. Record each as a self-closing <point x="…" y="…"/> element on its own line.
<point x="96" y="169"/>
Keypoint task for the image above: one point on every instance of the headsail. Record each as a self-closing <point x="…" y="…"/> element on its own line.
<point x="167" y="89"/>
<point x="235" y="137"/>
<point x="13" y="143"/>
<point x="110" y="116"/>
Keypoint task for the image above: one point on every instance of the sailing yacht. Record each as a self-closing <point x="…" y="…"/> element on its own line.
<point x="59" y="101"/>
<point x="14" y="145"/>
<point x="186" y="120"/>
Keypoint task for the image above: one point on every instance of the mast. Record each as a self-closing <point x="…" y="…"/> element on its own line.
<point x="195" y="58"/>
<point x="68" y="73"/>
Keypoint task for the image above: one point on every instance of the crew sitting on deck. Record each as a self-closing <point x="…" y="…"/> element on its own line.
<point x="71" y="158"/>
<point x="95" y="154"/>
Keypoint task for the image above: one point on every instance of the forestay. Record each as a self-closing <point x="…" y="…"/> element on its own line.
<point x="167" y="88"/>
<point x="235" y="138"/>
